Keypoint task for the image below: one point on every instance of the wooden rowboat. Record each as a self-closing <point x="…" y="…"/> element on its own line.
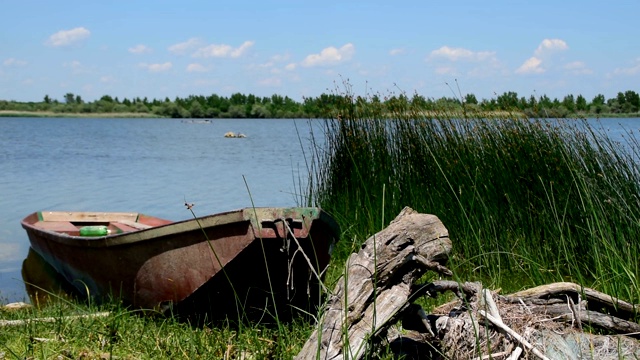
<point x="239" y="264"/>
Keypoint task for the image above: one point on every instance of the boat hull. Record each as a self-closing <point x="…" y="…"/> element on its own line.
<point x="229" y="265"/>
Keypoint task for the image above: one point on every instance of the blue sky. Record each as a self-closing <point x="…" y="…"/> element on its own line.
<point x="161" y="49"/>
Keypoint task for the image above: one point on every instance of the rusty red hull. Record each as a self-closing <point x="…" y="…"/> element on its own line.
<point x="225" y="265"/>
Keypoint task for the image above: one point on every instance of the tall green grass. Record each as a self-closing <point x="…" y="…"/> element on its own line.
<point x="126" y="334"/>
<point x="525" y="201"/>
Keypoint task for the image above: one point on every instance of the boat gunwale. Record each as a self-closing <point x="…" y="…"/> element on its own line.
<point x="188" y="225"/>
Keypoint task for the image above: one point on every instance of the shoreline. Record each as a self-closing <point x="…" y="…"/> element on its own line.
<point x="130" y="115"/>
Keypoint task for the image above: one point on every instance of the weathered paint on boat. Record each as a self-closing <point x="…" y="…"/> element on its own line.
<point x="223" y="264"/>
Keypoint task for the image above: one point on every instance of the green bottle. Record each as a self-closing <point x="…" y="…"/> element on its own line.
<point x="95" y="230"/>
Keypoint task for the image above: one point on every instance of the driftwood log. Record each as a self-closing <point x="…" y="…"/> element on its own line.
<point x="545" y="322"/>
<point x="379" y="286"/>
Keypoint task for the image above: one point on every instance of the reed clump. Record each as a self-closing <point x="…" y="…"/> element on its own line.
<point x="526" y="201"/>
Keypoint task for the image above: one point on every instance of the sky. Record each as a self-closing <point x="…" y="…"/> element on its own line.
<point x="159" y="49"/>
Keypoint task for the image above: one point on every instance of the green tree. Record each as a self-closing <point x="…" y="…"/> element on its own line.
<point x="598" y="104"/>
<point x="290" y="105"/>
<point x="106" y="98"/>
<point x="259" y="111"/>
<point x="522" y="103"/>
<point x="508" y="101"/>
<point x="238" y="99"/>
<point x="470" y="99"/>
<point x="418" y="101"/>
<point x="632" y="99"/>
<point x="105" y="105"/>
<point x="171" y="109"/>
<point x="196" y="110"/>
<point x="581" y="103"/>
<point x="532" y="103"/>
<point x="69" y="98"/>
<point x="139" y="107"/>
<point x="545" y="102"/>
<point x="488" y="104"/>
<point x="237" y="112"/>
<point x="310" y="106"/>
<point x="569" y="103"/>
<point x="598" y="100"/>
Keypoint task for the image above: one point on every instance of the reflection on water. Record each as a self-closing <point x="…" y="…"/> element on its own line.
<point x="42" y="282"/>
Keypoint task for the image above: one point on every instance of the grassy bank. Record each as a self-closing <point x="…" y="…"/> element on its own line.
<point x="80" y="331"/>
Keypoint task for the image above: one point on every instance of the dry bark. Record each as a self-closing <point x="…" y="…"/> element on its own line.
<point x="377" y="284"/>
<point x="547" y="321"/>
<point x="573" y="303"/>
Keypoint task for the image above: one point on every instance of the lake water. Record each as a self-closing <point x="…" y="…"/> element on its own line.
<point x="140" y="165"/>
<point x="151" y="166"/>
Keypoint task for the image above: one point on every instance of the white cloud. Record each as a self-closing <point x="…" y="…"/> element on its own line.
<point x="183" y="47"/>
<point x="75" y="64"/>
<point x="157" y="67"/>
<point x="330" y="56"/>
<point x="195" y="67"/>
<point x="531" y="66"/>
<point x="14" y="62"/>
<point x="273" y="61"/>
<point x="222" y="50"/>
<point x="456" y="61"/>
<point x="77" y="67"/>
<point x="398" y="51"/>
<point x="280" y="58"/>
<point x="629" y="71"/>
<point x="455" y="54"/>
<point x="549" y="45"/>
<point x="578" y="68"/>
<point x="108" y="79"/>
<point x="290" y="67"/>
<point x="446" y="70"/>
<point x="68" y="37"/>
<point x="273" y="81"/>
<point x="140" y="49"/>
<point x="266" y="65"/>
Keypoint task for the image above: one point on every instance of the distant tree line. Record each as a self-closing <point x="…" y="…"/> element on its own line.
<point x="276" y="106"/>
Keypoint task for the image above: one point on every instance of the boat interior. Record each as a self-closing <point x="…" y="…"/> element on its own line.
<point x="70" y="223"/>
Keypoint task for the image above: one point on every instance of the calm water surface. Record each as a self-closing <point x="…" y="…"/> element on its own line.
<point x="151" y="166"/>
<point x="140" y="165"/>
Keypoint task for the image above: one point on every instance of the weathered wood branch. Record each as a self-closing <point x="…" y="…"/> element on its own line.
<point x="378" y="287"/>
<point x="377" y="284"/>
<point x="595" y="299"/>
